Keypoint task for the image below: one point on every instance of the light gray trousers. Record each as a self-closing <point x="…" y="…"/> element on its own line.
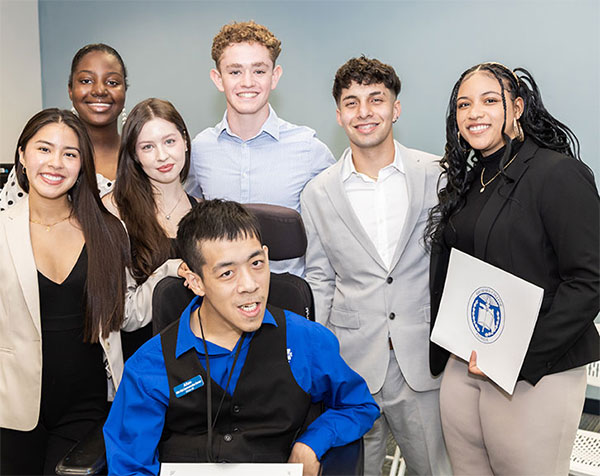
<point x="489" y="432"/>
<point x="414" y="420"/>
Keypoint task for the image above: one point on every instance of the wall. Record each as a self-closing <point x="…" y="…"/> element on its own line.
<point x="166" y="46"/>
<point x="20" y="75"/>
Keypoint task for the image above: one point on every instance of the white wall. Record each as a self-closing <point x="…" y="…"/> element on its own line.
<point x="20" y="71"/>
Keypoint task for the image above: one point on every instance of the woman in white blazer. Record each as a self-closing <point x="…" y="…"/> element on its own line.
<point x="62" y="297"/>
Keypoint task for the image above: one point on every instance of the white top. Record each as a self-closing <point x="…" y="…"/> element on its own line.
<point x="380" y="205"/>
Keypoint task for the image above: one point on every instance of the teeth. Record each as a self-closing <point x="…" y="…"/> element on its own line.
<point x="52" y="178"/>
<point x="247" y="95"/>
<point x="479" y="127"/>
<point x="366" y="127"/>
<point x="249" y="307"/>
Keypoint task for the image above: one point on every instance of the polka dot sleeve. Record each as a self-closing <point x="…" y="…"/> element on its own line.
<point x="11" y="193"/>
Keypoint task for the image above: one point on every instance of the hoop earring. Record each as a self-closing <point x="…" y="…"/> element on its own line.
<point x="123" y="116"/>
<point x="518" y="130"/>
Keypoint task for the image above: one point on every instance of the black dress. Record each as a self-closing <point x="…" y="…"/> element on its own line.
<point x="74" y="389"/>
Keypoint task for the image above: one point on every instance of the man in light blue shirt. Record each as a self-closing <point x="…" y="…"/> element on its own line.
<point x="252" y="156"/>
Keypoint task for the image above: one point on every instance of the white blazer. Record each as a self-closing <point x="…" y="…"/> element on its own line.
<point x="20" y="322"/>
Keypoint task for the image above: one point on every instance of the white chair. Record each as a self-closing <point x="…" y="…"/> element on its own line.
<point x="585" y="457"/>
<point x="398" y="465"/>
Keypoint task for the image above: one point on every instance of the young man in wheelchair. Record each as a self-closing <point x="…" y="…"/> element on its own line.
<point x="233" y="379"/>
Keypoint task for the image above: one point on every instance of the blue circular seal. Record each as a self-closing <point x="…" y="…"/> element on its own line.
<point x="486" y="315"/>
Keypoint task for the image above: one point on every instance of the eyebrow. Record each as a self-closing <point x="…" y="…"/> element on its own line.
<point x="353" y="96"/>
<point x="482" y="94"/>
<point x="230" y="263"/>
<point x="254" y="65"/>
<point x="93" y="72"/>
<point x="40" y="141"/>
<point x="170" y="134"/>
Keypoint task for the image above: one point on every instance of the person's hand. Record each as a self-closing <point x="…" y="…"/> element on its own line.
<point x="473" y="369"/>
<point x="304" y="454"/>
<point x="182" y="272"/>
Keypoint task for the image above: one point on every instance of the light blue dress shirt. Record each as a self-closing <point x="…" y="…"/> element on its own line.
<point x="135" y="423"/>
<point x="272" y="167"/>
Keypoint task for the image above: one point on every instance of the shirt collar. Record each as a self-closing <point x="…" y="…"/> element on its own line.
<point x="270" y="126"/>
<point x="187" y="340"/>
<point x="349" y="170"/>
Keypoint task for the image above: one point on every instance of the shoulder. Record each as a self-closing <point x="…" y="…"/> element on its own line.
<point x="209" y="134"/>
<point x="148" y="359"/>
<point x="289" y="132"/>
<point x="323" y="179"/>
<point x="430" y="162"/>
<point x="109" y="202"/>
<point x="557" y="168"/>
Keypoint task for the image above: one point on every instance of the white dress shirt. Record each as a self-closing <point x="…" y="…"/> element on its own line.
<point x="380" y="205"/>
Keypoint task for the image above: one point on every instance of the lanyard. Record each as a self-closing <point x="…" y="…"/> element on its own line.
<point x="209" y="423"/>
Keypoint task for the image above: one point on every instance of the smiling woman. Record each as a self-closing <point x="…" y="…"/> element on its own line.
<point x="60" y="315"/>
<point x="516" y="196"/>
<point x="97" y="86"/>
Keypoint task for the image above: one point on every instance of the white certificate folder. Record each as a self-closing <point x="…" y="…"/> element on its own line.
<point x="490" y="311"/>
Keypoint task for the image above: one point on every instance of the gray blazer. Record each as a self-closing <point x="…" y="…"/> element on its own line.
<point x="356" y="296"/>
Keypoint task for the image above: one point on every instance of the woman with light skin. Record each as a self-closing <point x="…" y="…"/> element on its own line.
<point x="60" y="316"/>
<point x="516" y="195"/>
<point x="97" y="86"/>
<point x="149" y="197"/>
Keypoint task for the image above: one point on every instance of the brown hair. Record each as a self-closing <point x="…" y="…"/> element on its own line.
<point x="133" y="193"/>
<point x="105" y="238"/>
<point x="244" y="32"/>
<point x="365" y="71"/>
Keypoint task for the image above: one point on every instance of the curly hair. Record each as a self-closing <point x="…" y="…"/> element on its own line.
<point x="244" y="32"/>
<point x="365" y="71"/>
<point x="458" y="161"/>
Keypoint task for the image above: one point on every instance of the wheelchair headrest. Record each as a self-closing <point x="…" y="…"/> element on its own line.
<point x="282" y="230"/>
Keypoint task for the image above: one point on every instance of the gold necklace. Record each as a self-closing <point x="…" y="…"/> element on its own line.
<point x="485" y="184"/>
<point x="168" y="215"/>
<point x="50" y="225"/>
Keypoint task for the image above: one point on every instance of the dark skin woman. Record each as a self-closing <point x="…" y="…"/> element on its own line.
<point x="514" y="193"/>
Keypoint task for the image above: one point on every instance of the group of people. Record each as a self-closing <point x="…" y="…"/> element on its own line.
<point x="91" y="220"/>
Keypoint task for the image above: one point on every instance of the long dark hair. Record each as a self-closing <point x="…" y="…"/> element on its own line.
<point x="458" y="161"/>
<point x="105" y="237"/>
<point x="134" y="194"/>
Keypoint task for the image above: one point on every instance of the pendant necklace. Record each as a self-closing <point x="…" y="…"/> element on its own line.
<point x="485" y="184"/>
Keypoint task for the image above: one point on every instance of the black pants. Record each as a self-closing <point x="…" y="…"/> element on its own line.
<point x="38" y="451"/>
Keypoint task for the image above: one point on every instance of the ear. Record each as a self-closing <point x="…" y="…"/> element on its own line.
<point x="397" y="110"/>
<point x="519" y="106"/>
<point x="277" y="72"/>
<point x="338" y="116"/>
<point x="70" y="93"/>
<point x="21" y="156"/>
<point x="216" y="77"/>
<point x="194" y="282"/>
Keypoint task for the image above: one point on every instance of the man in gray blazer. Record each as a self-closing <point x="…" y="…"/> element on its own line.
<point x="368" y="267"/>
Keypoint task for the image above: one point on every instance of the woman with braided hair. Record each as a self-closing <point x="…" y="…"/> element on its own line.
<point x="516" y="195"/>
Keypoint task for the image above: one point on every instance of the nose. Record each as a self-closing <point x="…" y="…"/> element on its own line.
<point x="475" y="111"/>
<point x="163" y="153"/>
<point x="56" y="159"/>
<point x="246" y="282"/>
<point x="98" y="88"/>
<point x="247" y="79"/>
<point x="364" y="110"/>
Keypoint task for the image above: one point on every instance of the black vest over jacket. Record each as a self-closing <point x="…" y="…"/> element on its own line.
<point x="258" y="423"/>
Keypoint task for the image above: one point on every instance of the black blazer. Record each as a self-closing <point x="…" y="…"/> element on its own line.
<point x="541" y="224"/>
